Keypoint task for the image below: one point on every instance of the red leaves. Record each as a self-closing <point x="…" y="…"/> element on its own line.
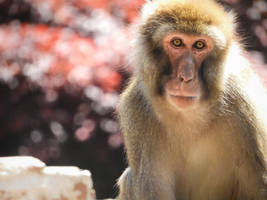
<point x="107" y="79"/>
<point x="83" y="48"/>
<point x="56" y="52"/>
<point x="128" y="9"/>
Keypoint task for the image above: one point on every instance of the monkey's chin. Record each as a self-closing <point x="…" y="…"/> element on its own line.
<point x="183" y="102"/>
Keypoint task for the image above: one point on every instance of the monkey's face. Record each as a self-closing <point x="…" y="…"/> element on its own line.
<point x="186" y="53"/>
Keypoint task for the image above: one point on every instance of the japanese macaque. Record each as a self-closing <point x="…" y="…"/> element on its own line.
<point x="194" y="116"/>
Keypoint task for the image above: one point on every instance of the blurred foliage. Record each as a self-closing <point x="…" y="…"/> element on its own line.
<point x="61" y="72"/>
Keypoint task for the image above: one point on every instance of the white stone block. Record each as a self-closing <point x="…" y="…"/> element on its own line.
<point x="27" y="178"/>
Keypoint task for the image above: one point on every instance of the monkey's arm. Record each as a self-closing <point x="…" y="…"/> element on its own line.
<point x="250" y="97"/>
<point x="250" y="124"/>
<point x="246" y="94"/>
<point x="146" y="177"/>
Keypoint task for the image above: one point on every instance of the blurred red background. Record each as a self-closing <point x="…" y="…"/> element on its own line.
<point x="63" y="64"/>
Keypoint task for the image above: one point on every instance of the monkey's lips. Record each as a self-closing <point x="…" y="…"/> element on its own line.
<point x="183" y="101"/>
<point x="182" y="97"/>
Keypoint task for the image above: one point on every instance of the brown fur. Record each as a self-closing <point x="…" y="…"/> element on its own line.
<point x="215" y="150"/>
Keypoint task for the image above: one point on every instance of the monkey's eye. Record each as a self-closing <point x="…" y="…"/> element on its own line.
<point x="176" y="42"/>
<point x="199" y="45"/>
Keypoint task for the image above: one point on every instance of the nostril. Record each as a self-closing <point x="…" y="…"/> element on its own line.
<point x="188" y="79"/>
<point x="185" y="79"/>
<point x="181" y="79"/>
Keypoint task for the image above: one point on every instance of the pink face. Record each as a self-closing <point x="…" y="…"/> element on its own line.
<point x="186" y="54"/>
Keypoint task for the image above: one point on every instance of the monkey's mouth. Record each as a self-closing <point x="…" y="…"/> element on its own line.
<point x="188" y="98"/>
<point x="183" y="101"/>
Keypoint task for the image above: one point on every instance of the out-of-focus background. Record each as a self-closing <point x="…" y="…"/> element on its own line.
<point x="63" y="64"/>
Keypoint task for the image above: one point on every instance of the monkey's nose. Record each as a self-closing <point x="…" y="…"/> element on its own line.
<point x="186" y="76"/>
<point x="186" y="73"/>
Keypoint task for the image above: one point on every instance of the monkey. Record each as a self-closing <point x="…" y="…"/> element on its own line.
<point x="193" y="115"/>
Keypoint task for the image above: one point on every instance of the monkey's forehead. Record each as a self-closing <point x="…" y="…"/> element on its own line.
<point x="189" y="16"/>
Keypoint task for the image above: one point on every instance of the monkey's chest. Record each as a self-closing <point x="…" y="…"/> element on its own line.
<point x="208" y="172"/>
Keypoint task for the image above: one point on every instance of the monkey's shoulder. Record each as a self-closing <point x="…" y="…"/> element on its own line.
<point x="134" y="108"/>
<point x="246" y="94"/>
<point x="132" y="99"/>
